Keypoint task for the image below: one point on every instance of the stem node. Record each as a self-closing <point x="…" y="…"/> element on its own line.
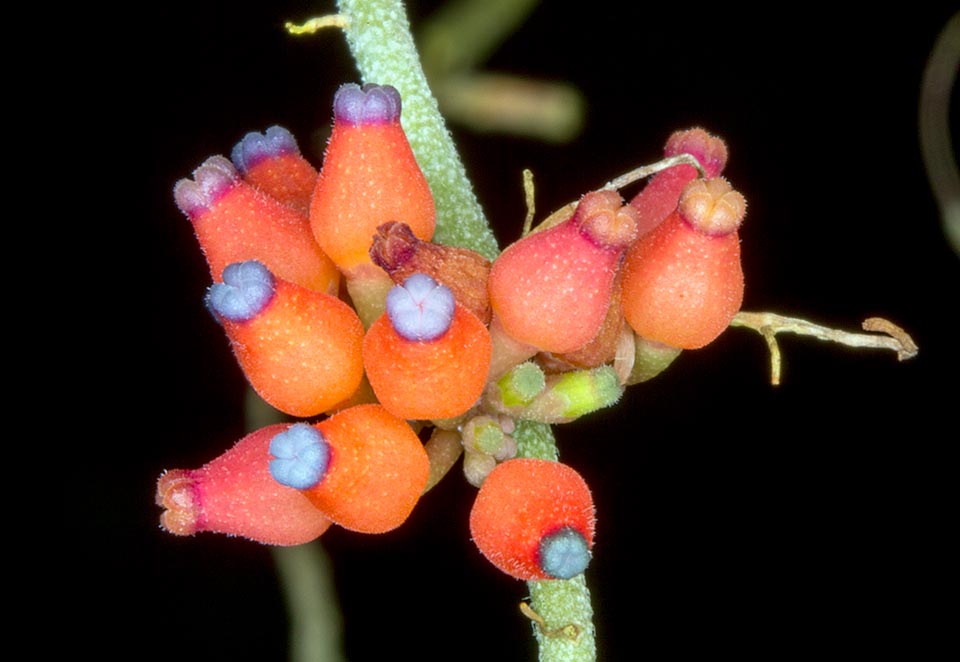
<point x="570" y="631"/>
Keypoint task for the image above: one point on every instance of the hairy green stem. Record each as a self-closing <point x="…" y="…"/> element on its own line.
<point x="535" y="440"/>
<point x="378" y="34"/>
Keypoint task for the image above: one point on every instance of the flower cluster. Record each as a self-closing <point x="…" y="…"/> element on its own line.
<point x="336" y="303"/>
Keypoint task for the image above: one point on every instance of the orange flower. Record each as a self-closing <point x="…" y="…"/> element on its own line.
<point x="369" y="176"/>
<point x="534" y="519"/>
<point x="236" y="494"/>
<point x="363" y="467"/>
<point x="427" y="357"/>
<point x="300" y="349"/>
<point x="683" y="283"/>
<point x="234" y="221"/>
<point x="551" y="290"/>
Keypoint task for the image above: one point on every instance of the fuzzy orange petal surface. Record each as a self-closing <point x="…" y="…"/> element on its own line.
<point x="234" y="222"/>
<point x="271" y="162"/>
<point x="287" y="177"/>
<point x="680" y="287"/>
<point x="302" y="353"/>
<point x="522" y="502"/>
<point x="602" y="349"/>
<point x="378" y="470"/>
<point x="433" y="379"/>
<point x="552" y="289"/>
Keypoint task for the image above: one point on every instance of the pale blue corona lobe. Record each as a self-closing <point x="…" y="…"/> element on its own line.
<point x="246" y="290"/>
<point x="300" y="456"/>
<point x="564" y="554"/>
<point x="256" y="147"/>
<point x="210" y="182"/>
<point x="370" y="104"/>
<point x="421" y="309"/>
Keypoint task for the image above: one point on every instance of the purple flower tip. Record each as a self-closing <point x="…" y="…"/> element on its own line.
<point x="246" y="290"/>
<point x="564" y="554"/>
<point x="211" y="180"/>
<point x="370" y="104"/>
<point x="256" y="147"/>
<point x="420" y="309"/>
<point x="300" y="456"/>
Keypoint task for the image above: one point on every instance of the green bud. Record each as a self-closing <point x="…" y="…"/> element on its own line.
<point x="570" y="395"/>
<point x="521" y="384"/>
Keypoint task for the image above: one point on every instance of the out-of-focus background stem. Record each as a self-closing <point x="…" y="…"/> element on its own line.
<point x="936" y="141"/>
<point x="306" y="577"/>
<point x="461" y="34"/>
<point x="454" y="43"/>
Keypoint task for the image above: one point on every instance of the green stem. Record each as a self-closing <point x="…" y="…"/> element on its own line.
<point x="378" y="34"/>
<point x="315" y="621"/>
<point x="535" y="440"/>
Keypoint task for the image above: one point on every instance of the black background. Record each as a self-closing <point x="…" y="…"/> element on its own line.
<point x="733" y="516"/>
